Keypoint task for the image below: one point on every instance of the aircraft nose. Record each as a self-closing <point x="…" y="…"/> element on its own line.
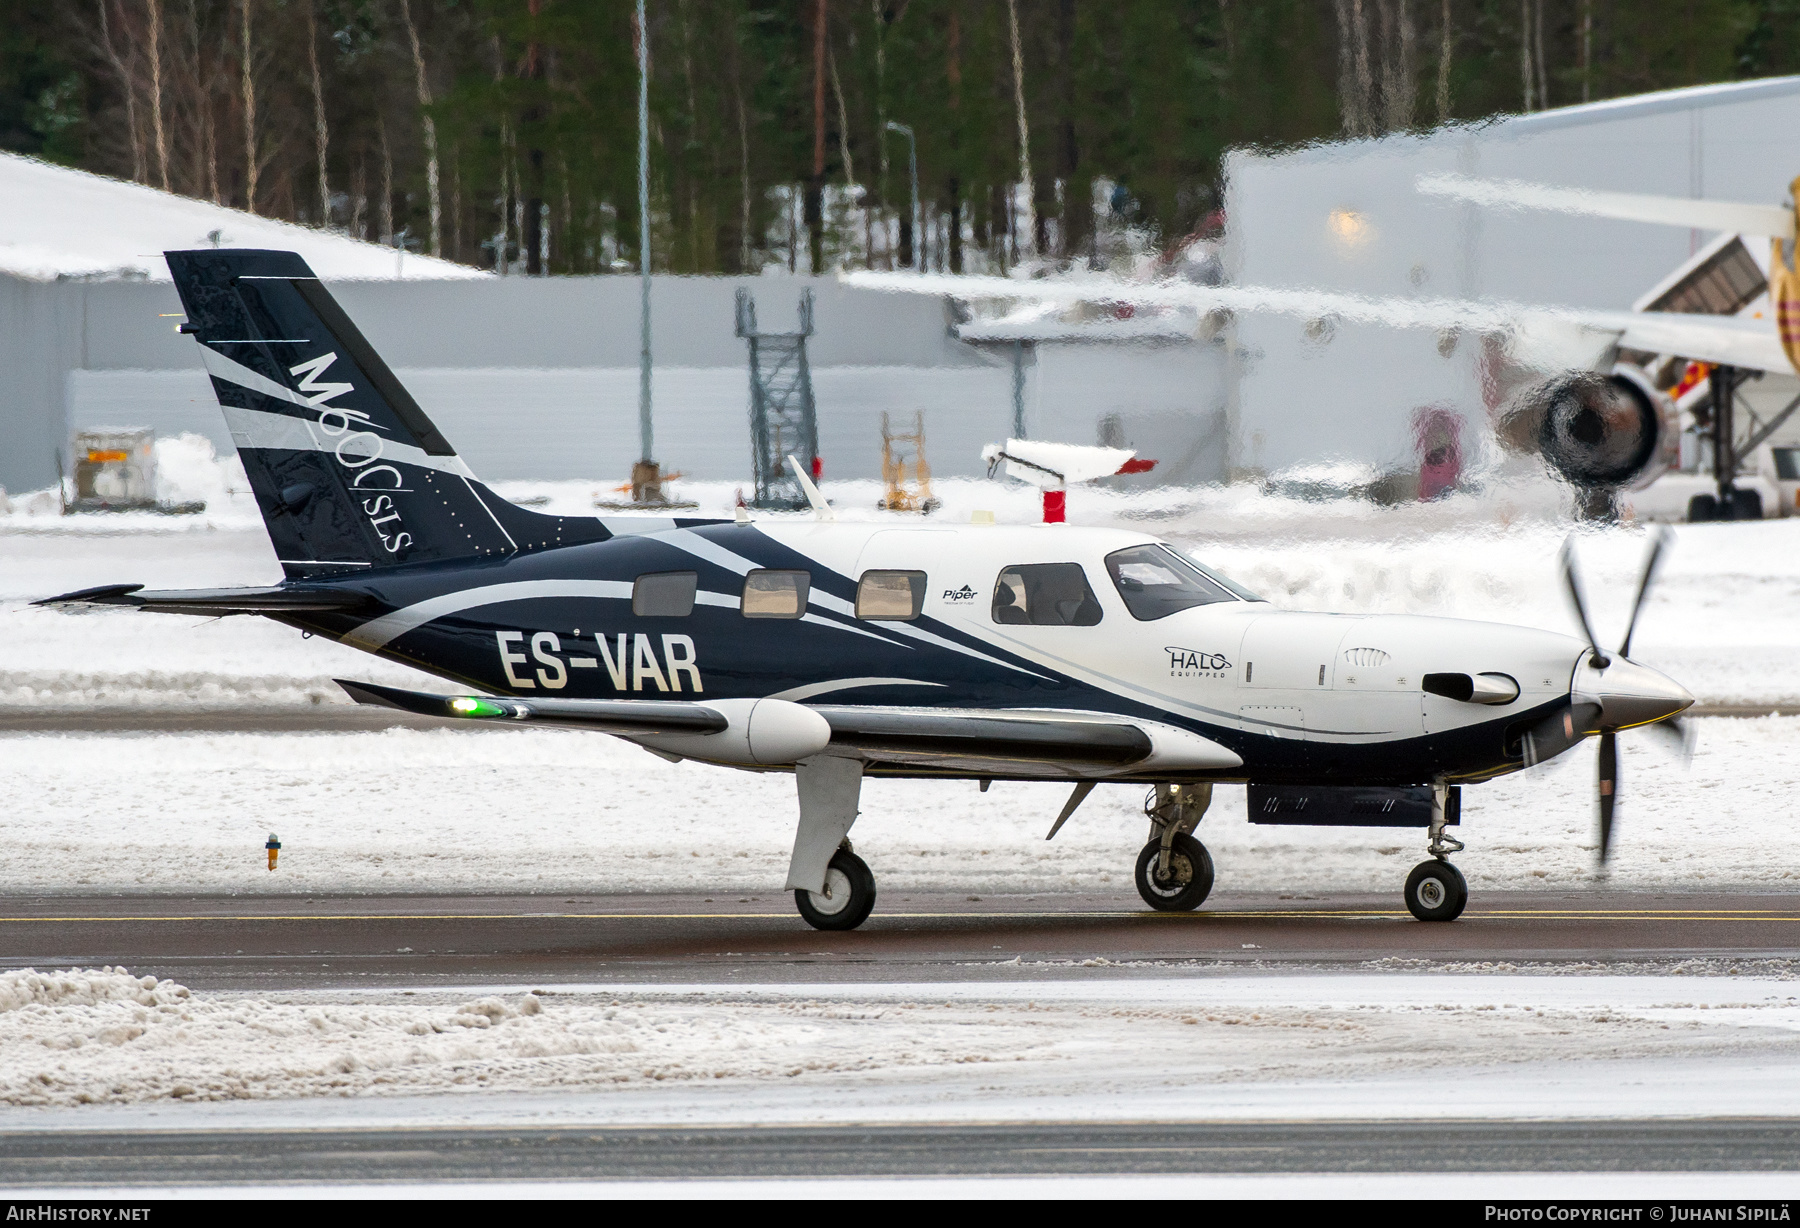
<point x="1630" y="694"/>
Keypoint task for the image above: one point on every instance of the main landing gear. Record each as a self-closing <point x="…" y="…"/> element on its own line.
<point x="1175" y="872"/>
<point x="1436" y="890"/>
<point x="848" y="898"/>
<point x="833" y="888"/>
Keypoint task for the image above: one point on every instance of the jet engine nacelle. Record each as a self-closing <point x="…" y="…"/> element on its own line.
<point x="760" y="733"/>
<point x="1597" y="431"/>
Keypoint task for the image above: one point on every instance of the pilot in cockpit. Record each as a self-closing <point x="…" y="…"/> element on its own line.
<point x="1009" y="601"/>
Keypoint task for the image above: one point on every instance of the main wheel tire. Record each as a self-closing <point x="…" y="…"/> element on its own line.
<point x="1702" y="508"/>
<point x="1190" y="875"/>
<point x="848" y="898"/>
<point x="1746" y="504"/>
<point x="1436" y="891"/>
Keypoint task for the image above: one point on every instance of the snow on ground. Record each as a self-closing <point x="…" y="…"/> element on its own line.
<point x="102" y="1036"/>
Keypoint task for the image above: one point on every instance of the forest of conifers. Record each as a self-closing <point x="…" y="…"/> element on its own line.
<point x="503" y="133"/>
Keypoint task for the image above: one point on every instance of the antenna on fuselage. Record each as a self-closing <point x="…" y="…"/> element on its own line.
<point x="812" y="492"/>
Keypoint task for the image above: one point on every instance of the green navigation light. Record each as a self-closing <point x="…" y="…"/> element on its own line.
<point x="468" y="705"/>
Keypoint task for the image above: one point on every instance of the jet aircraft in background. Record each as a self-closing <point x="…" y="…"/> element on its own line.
<point x="1575" y="392"/>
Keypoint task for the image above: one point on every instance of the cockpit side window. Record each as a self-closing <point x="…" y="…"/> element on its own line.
<point x="1045" y="595"/>
<point x="1155" y="582"/>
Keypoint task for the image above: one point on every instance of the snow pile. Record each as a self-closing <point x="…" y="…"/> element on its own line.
<point x="26" y="988"/>
<point x="166" y="1043"/>
<point x="163" y="1043"/>
<point x="188" y="470"/>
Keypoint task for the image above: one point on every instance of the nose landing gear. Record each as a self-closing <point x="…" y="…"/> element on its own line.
<point x="1175" y="872"/>
<point x="1436" y="890"/>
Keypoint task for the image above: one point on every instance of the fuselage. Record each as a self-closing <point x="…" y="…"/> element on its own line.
<point x="1300" y="697"/>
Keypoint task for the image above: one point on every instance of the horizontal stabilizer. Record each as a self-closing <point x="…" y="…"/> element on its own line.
<point x="213" y="601"/>
<point x="619" y="716"/>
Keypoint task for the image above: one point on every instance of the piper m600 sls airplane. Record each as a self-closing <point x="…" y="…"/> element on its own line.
<point x="837" y="651"/>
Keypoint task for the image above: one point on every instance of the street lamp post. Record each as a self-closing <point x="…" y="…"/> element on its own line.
<point x="912" y="158"/>
<point x="646" y="482"/>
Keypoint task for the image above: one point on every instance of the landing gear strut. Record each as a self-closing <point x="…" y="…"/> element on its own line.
<point x="1436" y="890"/>
<point x="833" y="887"/>
<point x="1175" y="872"/>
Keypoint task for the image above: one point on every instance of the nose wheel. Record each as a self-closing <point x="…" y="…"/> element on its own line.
<point x="1184" y="885"/>
<point x="1436" y="891"/>
<point x="1175" y="872"/>
<point x="848" y="898"/>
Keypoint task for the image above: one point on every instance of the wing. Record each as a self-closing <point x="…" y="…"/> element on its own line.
<point x="1686" y="212"/>
<point x="1551" y="338"/>
<point x="1726" y="340"/>
<point x="892" y="741"/>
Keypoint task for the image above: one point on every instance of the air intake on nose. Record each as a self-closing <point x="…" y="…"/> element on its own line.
<point x="1473" y="688"/>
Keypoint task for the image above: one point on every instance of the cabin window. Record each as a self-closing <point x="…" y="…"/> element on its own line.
<point x="776" y="594"/>
<point x="1045" y="595"/>
<point x="664" y="594"/>
<point x="1154" y="582"/>
<point x="890" y="596"/>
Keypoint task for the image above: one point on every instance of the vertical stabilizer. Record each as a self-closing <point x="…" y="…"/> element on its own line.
<point x="348" y="471"/>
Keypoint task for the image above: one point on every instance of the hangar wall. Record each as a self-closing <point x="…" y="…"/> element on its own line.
<point x="537" y="378"/>
<point x="1346" y="216"/>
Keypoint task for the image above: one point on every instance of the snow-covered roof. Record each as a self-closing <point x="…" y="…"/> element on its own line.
<point x="57" y="222"/>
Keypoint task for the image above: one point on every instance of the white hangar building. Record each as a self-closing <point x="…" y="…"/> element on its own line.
<point x="1346" y="217"/>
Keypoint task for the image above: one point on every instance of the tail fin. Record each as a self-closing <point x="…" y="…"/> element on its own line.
<point x="348" y="471"/>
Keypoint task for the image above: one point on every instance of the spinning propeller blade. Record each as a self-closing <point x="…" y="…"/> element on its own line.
<point x="1572" y="586"/>
<point x="1658" y="545"/>
<point x="1679" y="734"/>
<point x="1609" y="788"/>
<point x="1557" y="733"/>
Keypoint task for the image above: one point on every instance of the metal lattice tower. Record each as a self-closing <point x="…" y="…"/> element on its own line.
<point x="782" y="419"/>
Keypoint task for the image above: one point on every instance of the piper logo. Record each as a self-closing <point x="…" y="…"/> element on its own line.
<point x="357" y="450"/>
<point x="956" y="596"/>
<point x="1192" y="663"/>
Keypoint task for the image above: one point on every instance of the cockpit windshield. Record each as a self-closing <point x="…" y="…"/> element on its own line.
<point x="1155" y="582"/>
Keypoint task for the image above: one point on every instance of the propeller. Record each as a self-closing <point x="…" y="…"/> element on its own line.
<point x="1562" y="730"/>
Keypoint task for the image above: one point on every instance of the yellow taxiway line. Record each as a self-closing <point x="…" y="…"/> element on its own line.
<point x="1593" y="914"/>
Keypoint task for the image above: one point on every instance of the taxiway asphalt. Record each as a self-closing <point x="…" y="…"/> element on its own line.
<point x="598" y="1153"/>
<point x="326" y="942"/>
